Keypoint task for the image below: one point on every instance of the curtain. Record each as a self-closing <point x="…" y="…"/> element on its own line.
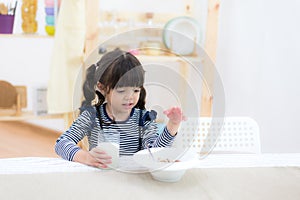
<point x="64" y="86"/>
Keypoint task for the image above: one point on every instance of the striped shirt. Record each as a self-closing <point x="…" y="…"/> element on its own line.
<point x="129" y="131"/>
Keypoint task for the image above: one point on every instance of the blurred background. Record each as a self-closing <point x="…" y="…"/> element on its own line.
<point x="257" y="58"/>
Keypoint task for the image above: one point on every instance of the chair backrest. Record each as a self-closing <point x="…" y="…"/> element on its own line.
<point x="223" y="135"/>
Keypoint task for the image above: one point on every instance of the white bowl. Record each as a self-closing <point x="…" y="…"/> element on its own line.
<point x="169" y="164"/>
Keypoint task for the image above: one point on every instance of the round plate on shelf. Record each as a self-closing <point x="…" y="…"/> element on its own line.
<point x="181" y="34"/>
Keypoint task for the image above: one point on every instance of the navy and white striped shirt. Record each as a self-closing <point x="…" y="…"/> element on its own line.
<point x="87" y="124"/>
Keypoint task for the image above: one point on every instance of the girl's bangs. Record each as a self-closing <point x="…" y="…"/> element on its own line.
<point x="132" y="78"/>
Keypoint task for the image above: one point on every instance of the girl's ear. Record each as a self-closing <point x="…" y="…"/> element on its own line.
<point x="101" y="88"/>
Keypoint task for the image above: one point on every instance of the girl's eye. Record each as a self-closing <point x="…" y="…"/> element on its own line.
<point x="135" y="90"/>
<point x="120" y="91"/>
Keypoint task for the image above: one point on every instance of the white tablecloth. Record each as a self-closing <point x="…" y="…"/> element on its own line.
<point x="215" y="177"/>
<point x="34" y="165"/>
<point x="255" y="183"/>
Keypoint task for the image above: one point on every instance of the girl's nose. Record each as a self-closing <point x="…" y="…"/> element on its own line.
<point x="129" y="94"/>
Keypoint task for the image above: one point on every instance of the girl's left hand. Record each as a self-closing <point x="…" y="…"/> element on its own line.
<point x="175" y="116"/>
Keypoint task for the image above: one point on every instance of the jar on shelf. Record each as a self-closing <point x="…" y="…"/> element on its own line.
<point x="7" y="17"/>
<point x="29" y="23"/>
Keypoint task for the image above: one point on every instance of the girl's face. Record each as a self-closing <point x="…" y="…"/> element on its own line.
<point x="121" y="100"/>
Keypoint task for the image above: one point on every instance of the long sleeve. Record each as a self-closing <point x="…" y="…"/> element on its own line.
<point x="87" y="124"/>
<point x="66" y="144"/>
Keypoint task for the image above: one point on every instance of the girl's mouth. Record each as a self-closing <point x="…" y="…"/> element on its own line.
<point x="127" y="105"/>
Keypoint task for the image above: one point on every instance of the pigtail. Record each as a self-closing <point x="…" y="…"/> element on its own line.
<point x="101" y="98"/>
<point x="142" y="100"/>
<point x="88" y="87"/>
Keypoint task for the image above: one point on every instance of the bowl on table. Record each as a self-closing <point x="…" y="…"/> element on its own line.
<point x="169" y="164"/>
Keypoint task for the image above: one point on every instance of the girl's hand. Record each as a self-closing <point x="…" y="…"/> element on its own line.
<point x="94" y="157"/>
<point x="175" y="116"/>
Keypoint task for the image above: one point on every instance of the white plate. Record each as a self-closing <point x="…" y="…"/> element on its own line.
<point x="181" y="34"/>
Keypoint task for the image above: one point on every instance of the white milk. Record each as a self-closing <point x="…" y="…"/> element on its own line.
<point x="112" y="149"/>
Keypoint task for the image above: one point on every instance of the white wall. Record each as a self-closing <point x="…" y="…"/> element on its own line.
<point x="257" y="58"/>
<point x="25" y="61"/>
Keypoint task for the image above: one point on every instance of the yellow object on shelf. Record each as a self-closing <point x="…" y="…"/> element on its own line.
<point x="29" y="23"/>
<point x="3" y="9"/>
<point x="50" y="30"/>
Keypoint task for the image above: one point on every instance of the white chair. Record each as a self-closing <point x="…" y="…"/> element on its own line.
<point x="222" y="135"/>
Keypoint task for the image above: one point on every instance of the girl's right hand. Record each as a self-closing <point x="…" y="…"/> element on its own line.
<point x="95" y="157"/>
<point x="100" y="158"/>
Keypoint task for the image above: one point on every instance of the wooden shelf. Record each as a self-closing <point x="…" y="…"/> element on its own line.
<point x="166" y="58"/>
<point x="23" y="35"/>
<point x="27" y="115"/>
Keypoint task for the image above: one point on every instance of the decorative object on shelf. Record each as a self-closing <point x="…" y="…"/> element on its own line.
<point x="51" y="10"/>
<point x="149" y="16"/>
<point x="12" y="98"/>
<point x="151" y="48"/>
<point x="181" y="35"/>
<point x="29" y="23"/>
<point x="7" y="16"/>
<point x="40" y="101"/>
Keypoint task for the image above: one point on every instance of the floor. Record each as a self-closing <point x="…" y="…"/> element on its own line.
<point x="19" y="139"/>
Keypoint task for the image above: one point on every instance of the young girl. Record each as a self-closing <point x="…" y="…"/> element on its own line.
<point x="117" y="80"/>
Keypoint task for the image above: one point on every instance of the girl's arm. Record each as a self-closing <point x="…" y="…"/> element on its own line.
<point x="150" y="134"/>
<point x="66" y="144"/>
<point x="175" y="116"/>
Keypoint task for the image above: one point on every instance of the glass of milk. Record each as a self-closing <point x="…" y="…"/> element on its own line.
<point x="109" y="141"/>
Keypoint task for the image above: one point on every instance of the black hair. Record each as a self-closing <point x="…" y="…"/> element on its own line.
<point x="115" y="69"/>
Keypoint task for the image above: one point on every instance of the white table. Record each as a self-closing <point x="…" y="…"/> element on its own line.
<point x="217" y="177"/>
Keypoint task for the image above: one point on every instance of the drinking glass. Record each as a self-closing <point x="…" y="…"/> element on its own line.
<point x="109" y="141"/>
